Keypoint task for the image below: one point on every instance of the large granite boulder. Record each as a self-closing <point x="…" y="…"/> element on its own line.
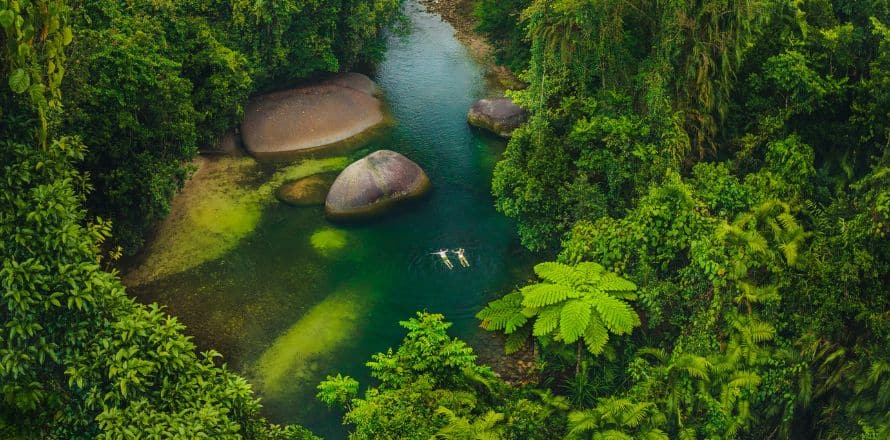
<point x="371" y="185"/>
<point x="310" y="118"/>
<point x="355" y="81"/>
<point x="308" y="191"/>
<point x="498" y="115"/>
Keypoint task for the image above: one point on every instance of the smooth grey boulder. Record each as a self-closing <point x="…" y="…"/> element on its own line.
<point x="371" y="185"/>
<point x="499" y="115"/>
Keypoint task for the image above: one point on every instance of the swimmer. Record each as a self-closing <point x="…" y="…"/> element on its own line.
<point x="443" y="254"/>
<point x="461" y="257"/>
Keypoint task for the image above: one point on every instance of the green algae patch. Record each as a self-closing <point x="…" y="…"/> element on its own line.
<point x="294" y="357"/>
<point x="219" y="206"/>
<point x="304" y="169"/>
<point x="327" y="241"/>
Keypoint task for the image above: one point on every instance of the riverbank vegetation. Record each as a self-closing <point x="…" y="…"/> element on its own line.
<point x="103" y="105"/>
<point x="731" y="159"/>
<point x="713" y="178"/>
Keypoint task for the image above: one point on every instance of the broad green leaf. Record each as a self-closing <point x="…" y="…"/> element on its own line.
<point x="7" y="18"/>
<point x="19" y="81"/>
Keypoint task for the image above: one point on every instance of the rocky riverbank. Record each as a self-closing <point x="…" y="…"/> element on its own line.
<point x="459" y="13"/>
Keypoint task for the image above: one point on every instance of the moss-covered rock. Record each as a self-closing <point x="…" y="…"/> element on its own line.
<point x="308" y="191"/>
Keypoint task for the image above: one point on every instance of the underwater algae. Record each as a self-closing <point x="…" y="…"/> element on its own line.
<point x="328" y="240"/>
<point x="220" y="205"/>
<point x="294" y="357"/>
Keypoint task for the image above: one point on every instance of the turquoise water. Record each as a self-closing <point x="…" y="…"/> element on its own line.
<point x="286" y="314"/>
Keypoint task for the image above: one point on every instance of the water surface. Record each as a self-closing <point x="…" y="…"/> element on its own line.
<point x="286" y="314"/>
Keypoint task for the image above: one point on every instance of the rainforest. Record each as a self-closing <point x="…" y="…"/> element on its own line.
<point x="445" y="219"/>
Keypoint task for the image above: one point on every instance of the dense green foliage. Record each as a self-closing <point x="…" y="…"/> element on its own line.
<point x="146" y="82"/>
<point x="432" y="387"/>
<point x="149" y="83"/>
<point x="731" y="159"/>
<point x="714" y="175"/>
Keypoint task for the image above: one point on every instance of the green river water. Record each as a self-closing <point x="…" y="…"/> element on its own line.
<point x="285" y="313"/>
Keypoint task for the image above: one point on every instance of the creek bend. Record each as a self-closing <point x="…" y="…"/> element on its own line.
<point x="295" y="298"/>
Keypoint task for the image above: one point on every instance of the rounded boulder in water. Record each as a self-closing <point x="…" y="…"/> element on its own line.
<point x="500" y="116"/>
<point x="371" y="185"/>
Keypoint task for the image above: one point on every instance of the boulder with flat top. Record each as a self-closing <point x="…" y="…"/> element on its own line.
<point x="311" y="118"/>
<point x="373" y="184"/>
<point x="498" y="115"/>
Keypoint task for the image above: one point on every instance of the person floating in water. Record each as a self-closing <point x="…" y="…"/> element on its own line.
<point x="443" y="254"/>
<point x="461" y="258"/>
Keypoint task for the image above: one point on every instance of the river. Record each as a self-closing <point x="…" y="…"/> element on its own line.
<point x="285" y="313"/>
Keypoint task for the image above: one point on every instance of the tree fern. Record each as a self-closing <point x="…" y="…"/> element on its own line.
<point x="581" y="303"/>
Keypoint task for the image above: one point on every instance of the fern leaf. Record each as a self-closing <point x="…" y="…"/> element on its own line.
<point x="595" y="336"/>
<point x="653" y="434"/>
<point x="618" y="317"/>
<point x="503" y="313"/>
<point x="517" y="340"/>
<point x="583" y="421"/>
<point x="635" y="414"/>
<point x="558" y="273"/>
<point x="547" y="321"/>
<point x="744" y="379"/>
<point x="611" y="282"/>
<point x="542" y="295"/>
<point x="758" y="331"/>
<point x="590" y="272"/>
<point x="611" y="434"/>
<point x="574" y="319"/>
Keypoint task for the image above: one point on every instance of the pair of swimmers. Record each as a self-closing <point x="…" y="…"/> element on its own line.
<point x="443" y="254"/>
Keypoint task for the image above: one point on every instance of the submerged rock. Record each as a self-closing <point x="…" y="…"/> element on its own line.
<point x="310" y="118"/>
<point x="307" y="191"/>
<point x="371" y="185"/>
<point x="499" y="115"/>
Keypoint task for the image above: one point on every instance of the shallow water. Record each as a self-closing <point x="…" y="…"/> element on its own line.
<point x="286" y="310"/>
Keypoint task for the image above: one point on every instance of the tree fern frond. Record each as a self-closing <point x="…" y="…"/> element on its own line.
<point x="756" y="331"/>
<point x="517" y="340"/>
<point x="611" y="283"/>
<point x="612" y="434"/>
<point x="695" y="366"/>
<point x="653" y="434"/>
<point x="635" y="414"/>
<point x="503" y="313"/>
<point x="583" y="421"/>
<point x="541" y="295"/>
<point x="658" y="353"/>
<point x="558" y="273"/>
<point x="595" y="336"/>
<point x="744" y="379"/>
<point x="547" y="321"/>
<point x="616" y="314"/>
<point x="573" y="320"/>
